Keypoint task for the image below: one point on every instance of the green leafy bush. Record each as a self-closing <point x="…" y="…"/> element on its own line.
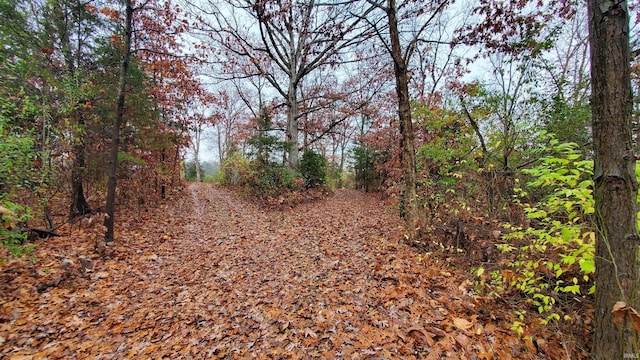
<point x="17" y="147"/>
<point x="17" y="170"/>
<point x="218" y="177"/>
<point x="335" y="178"/>
<point x="445" y="164"/>
<point x="313" y="167"/>
<point x="554" y="256"/>
<point x="11" y="235"/>
<point x="364" y="166"/>
<point x="259" y="178"/>
<point x="236" y="169"/>
<point x="190" y="171"/>
<point x="269" y="179"/>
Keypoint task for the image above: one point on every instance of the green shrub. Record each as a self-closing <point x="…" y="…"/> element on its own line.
<point x="445" y="165"/>
<point x="259" y="178"/>
<point x="270" y="179"/>
<point x="313" y="167"/>
<point x="18" y="170"/>
<point x="364" y="167"/>
<point x="554" y="256"/>
<point x="11" y="235"/>
<point x="335" y="178"/>
<point x="190" y="171"/>
<point x="236" y="169"/>
<point x="17" y="148"/>
<point x="218" y="177"/>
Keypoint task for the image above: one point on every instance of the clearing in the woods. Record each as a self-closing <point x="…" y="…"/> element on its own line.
<point x="209" y="275"/>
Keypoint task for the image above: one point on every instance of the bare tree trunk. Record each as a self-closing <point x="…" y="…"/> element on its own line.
<point x="198" y="170"/>
<point x="79" y="204"/>
<point x="175" y="167"/>
<point x="196" y="153"/>
<point x="408" y="206"/>
<point x="617" y="270"/>
<point x="163" y="170"/>
<point x="292" y="127"/>
<point x="343" y="148"/>
<point x="115" y="131"/>
<point x="221" y="147"/>
<point x="487" y="173"/>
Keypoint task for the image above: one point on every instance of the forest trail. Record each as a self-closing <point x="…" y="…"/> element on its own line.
<point x="210" y="275"/>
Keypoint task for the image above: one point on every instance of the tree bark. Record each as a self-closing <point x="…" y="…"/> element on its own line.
<point x="487" y="173"/>
<point x="115" y="134"/>
<point x="196" y="153"/>
<point x="221" y="147"/>
<point x="408" y="205"/>
<point x="65" y="21"/>
<point x="617" y="270"/>
<point x="79" y="204"/>
<point x="292" y="126"/>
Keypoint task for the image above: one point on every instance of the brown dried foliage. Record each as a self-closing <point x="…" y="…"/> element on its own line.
<point x="209" y="275"/>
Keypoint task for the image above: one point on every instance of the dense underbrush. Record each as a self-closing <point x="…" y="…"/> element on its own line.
<point x="274" y="184"/>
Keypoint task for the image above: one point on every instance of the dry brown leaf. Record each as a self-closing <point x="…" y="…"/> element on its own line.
<point x="622" y="310"/>
<point x="463" y="340"/>
<point x="618" y="312"/>
<point x="251" y="282"/>
<point x="490" y="328"/>
<point x="463" y="286"/>
<point x="101" y="275"/>
<point x="530" y="345"/>
<point x="420" y="337"/>
<point x="462" y="324"/>
<point x="309" y="333"/>
<point x="20" y="357"/>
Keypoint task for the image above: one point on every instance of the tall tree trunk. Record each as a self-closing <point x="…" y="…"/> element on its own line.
<point x="617" y="270"/>
<point x="343" y="147"/>
<point x="487" y="173"/>
<point x="408" y="206"/>
<point x="292" y="127"/>
<point x="163" y="173"/>
<point x="196" y="153"/>
<point x="221" y="151"/>
<point x="115" y="131"/>
<point x="79" y="204"/>
<point x="198" y="170"/>
<point x="175" y="167"/>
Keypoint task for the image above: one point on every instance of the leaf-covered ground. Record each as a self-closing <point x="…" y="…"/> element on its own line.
<point x="209" y="275"/>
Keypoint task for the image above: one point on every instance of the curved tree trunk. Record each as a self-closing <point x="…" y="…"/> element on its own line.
<point x="115" y="135"/>
<point x="408" y="206"/>
<point x="617" y="271"/>
<point x="487" y="173"/>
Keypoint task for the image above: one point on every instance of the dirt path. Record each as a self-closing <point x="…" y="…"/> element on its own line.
<point x="213" y="276"/>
